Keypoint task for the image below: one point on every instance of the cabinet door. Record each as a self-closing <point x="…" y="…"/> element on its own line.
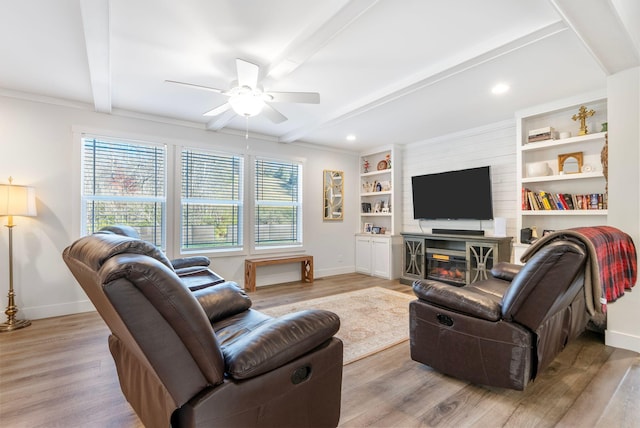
<point x="480" y="260"/>
<point x="381" y="248"/>
<point x="413" y="258"/>
<point x="363" y="254"/>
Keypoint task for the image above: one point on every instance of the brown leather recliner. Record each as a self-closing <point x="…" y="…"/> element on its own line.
<point x="205" y="358"/>
<point x="505" y="330"/>
<point x="194" y="270"/>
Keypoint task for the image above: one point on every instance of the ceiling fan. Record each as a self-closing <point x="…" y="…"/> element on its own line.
<point x="247" y="98"/>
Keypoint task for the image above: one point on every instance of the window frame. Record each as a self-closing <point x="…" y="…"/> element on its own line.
<point x="85" y="198"/>
<point x="172" y="212"/>
<point x="241" y="202"/>
<point x="284" y="247"/>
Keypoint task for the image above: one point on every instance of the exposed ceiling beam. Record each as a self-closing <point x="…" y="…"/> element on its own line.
<point x="603" y="33"/>
<point x="97" y="34"/>
<point x="317" y="35"/>
<point x="422" y="80"/>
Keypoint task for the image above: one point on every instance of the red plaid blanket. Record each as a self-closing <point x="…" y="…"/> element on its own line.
<point x="612" y="265"/>
<point x="616" y="256"/>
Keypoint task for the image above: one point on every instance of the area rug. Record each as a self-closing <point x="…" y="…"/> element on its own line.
<point x="371" y="320"/>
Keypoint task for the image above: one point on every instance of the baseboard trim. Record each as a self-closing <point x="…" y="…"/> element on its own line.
<point x="622" y="340"/>
<point x="69" y="308"/>
<point x="48" y="311"/>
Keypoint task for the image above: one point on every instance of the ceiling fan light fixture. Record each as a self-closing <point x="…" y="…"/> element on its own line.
<point x="247" y="104"/>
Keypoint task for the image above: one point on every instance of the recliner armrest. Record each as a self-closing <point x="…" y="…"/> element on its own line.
<point x="467" y="300"/>
<point x="506" y="271"/>
<point x="279" y="341"/>
<point x="190" y="261"/>
<point x="222" y="301"/>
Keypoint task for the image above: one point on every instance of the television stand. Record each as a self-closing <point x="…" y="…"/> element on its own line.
<point x="455" y="259"/>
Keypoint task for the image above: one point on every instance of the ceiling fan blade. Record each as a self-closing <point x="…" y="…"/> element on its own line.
<point x="272" y="114"/>
<point x="220" y="121"/>
<point x="247" y="73"/>
<point x="295" y="97"/>
<point x="218" y="110"/>
<point x="206" y="88"/>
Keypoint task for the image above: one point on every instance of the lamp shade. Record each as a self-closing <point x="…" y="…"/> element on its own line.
<point x="17" y="200"/>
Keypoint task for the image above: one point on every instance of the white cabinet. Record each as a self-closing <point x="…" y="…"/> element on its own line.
<point x="378" y="255"/>
<point x="587" y="183"/>
<point x="364" y="260"/>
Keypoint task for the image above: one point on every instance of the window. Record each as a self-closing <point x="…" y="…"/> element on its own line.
<point x="124" y="183"/>
<point x="278" y="203"/>
<point x="211" y="199"/>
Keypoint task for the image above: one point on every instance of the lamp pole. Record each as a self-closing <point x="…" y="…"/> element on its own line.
<point x="11" y="323"/>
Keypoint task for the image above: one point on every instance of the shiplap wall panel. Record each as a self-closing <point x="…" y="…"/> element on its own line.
<point x="493" y="145"/>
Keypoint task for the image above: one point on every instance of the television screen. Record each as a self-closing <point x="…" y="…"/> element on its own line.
<point x="454" y="195"/>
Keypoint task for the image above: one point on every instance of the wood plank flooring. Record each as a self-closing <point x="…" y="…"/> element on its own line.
<point x="59" y="373"/>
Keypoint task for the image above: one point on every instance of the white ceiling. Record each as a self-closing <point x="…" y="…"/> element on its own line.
<point x="388" y="71"/>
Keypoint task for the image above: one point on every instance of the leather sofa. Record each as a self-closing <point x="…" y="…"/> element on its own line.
<point x="194" y="270"/>
<point x="505" y="330"/>
<point x="204" y="358"/>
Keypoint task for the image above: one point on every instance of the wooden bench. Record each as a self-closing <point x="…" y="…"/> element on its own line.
<point x="250" y="265"/>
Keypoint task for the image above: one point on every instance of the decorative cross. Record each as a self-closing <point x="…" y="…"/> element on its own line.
<point x="583" y="114"/>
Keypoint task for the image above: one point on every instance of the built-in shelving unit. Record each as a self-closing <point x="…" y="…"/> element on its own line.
<point x="590" y="180"/>
<point x="378" y="243"/>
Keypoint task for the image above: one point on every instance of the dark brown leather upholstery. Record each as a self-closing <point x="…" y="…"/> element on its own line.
<point x="504" y="330"/>
<point x="205" y="358"/>
<point x="194" y="270"/>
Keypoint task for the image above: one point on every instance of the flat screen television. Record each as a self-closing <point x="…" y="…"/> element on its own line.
<point x="453" y="195"/>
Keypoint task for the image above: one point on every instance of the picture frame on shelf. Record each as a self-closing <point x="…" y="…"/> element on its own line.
<point x="570" y="163"/>
<point x="367" y="228"/>
<point x="366" y="207"/>
<point x="375" y="230"/>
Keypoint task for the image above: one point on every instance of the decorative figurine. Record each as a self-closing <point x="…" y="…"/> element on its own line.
<point x="388" y="159"/>
<point x="582" y="115"/>
<point x="366" y="166"/>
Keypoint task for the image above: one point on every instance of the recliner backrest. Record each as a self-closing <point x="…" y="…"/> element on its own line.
<point x="547" y="278"/>
<point x="149" y="309"/>
<point x="122" y="229"/>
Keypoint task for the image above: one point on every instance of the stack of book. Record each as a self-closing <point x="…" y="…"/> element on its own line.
<point x="541" y="134"/>
<point x="541" y="200"/>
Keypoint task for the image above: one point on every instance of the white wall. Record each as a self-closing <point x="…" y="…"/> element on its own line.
<point x="38" y="149"/>
<point x="493" y="145"/>
<point x="623" y="92"/>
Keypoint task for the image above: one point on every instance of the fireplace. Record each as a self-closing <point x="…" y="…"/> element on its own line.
<point x="447" y="266"/>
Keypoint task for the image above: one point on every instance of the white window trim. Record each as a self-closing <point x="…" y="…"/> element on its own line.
<point x="178" y="211"/>
<point x="173" y="183"/>
<point x="276" y="249"/>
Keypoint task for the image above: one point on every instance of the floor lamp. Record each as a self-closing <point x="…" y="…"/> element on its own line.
<point x="15" y="201"/>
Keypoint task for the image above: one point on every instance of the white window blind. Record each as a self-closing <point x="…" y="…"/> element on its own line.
<point x="278" y="204"/>
<point x="211" y="200"/>
<point x="124" y="183"/>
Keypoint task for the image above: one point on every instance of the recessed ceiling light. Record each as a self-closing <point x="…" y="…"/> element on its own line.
<point x="500" y="88"/>
<point x="351" y="137"/>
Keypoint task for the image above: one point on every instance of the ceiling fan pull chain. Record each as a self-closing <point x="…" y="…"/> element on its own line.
<point x="246" y="133"/>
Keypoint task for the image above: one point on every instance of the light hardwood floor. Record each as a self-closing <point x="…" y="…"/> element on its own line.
<point x="59" y="373"/>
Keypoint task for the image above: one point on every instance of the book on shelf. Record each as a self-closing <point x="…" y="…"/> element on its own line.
<point x="541" y="134"/>
<point x="541" y="200"/>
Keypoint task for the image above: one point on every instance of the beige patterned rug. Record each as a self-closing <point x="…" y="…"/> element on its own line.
<point x="370" y="320"/>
